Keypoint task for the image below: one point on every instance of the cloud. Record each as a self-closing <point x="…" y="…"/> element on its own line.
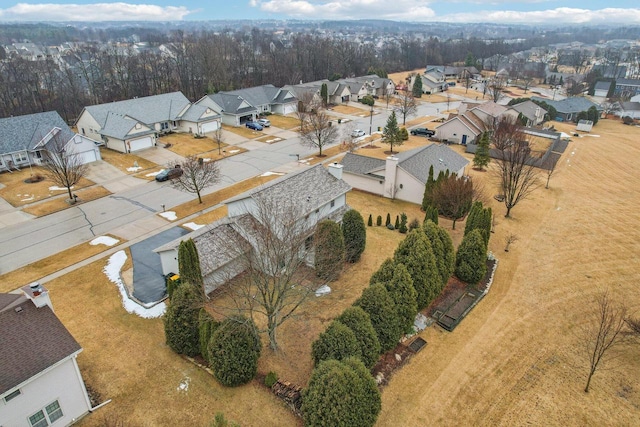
<point x="550" y="16"/>
<point x="93" y="12"/>
<point x="401" y="10"/>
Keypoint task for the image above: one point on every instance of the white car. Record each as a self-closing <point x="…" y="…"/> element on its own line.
<point x="357" y="133"/>
<point x="264" y="122"/>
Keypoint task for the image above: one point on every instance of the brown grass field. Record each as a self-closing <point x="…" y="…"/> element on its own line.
<point x="60" y="203"/>
<point x="516" y="359"/>
<point x="513" y="361"/>
<point x="123" y="161"/>
<point x="284" y="122"/>
<point x="19" y="193"/>
<point x="185" y="145"/>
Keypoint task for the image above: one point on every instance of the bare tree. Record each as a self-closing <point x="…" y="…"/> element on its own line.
<point x="508" y="240"/>
<point x="61" y="164"/>
<point x="603" y="333"/>
<point x="318" y="132"/>
<point x="218" y="138"/>
<point x="516" y="168"/>
<point x="307" y="103"/>
<point x="197" y="175"/>
<point x="273" y="248"/>
<point x="494" y="87"/>
<point x="406" y="105"/>
<point x="549" y="170"/>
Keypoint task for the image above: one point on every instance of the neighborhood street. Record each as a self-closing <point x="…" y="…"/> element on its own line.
<point x="130" y="213"/>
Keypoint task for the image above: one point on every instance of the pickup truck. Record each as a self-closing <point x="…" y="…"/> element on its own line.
<point x="423" y="131"/>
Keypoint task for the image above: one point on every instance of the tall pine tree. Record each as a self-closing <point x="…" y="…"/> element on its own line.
<point x="481" y="158"/>
<point x="391" y="132"/>
<point x="189" y="264"/>
<point x="417" y="87"/>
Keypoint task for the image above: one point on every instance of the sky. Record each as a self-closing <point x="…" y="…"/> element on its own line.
<point x="497" y="11"/>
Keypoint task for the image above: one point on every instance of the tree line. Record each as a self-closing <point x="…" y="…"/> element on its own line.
<point x="204" y="62"/>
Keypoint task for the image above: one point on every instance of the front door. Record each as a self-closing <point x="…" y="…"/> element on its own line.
<point x="464" y="139"/>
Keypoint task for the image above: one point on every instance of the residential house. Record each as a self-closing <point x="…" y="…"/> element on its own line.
<point x="317" y="194"/>
<point x="40" y="382"/>
<point x="453" y="72"/>
<point x="569" y="108"/>
<point x="532" y="113"/>
<point x="601" y="89"/>
<point x="433" y="81"/>
<point x="337" y="92"/>
<point x="23" y="139"/>
<point x="403" y="175"/>
<point x="240" y="106"/>
<point x="610" y="71"/>
<point x="133" y="125"/>
<point x="627" y="87"/>
<point x="469" y="123"/>
<point x="628" y="109"/>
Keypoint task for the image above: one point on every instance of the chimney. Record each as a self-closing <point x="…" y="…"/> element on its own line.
<point x="335" y="169"/>
<point x="38" y="294"/>
<point x="390" y="172"/>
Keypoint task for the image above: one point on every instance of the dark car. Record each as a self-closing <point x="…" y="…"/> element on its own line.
<point x="423" y="131"/>
<point x="254" y="125"/>
<point x="167" y="174"/>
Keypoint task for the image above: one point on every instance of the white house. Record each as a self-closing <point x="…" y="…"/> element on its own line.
<point x="532" y="112"/>
<point x="23" y="139"/>
<point x="469" y="124"/>
<point x="316" y="193"/>
<point x="240" y="106"/>
<point x="404" y="175"/>
<point x="133" y="125"/>
<point x="40" y="382"/>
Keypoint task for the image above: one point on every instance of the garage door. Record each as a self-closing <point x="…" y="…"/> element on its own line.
<point x="209" y="127"/>
<point x="289" y="108"/>
<point x="140" y="144"/>
<point x="87" y="156"/>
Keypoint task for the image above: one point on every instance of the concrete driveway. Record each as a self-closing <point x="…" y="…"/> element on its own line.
<point x="148" y="281"/>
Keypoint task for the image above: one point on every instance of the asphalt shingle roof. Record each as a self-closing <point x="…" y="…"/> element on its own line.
<point x="528" y="109"/>
<point x="24" y="132"/>
<point x="569" y="105"/>
<point x="118" y="126"/>
<point x="148" y="110"/>
<point x="32" y="340"/>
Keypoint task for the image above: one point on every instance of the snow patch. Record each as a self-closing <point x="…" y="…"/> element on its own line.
<point x="192" y="225"/>
<point x="269" y="173"/>
<point x="593" y="136"/>
<point x="184" y="385"/>
<point x="154" y="173"/>
<point x="234" y="151"/>
<point x="104" y="240"/>
<point x="27" y="199"/>
<point x="170" y="215"/>
<point x="323" y="290"/>
<point x="134" y="169"/>
<point x="56" y="188"/>
<point x="112" y="270"/>
<point x="206" y="160"/>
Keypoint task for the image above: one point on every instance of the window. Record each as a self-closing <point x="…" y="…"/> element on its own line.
<point x="54" y="411"/>
<point x="20" y="157"/>
<point x="308" y="243"/>
<point x="13" y="395"/>
<point x="47" y="416"/>
<point x="333" y="203"/>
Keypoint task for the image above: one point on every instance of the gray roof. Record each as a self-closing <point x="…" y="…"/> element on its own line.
<point x="24" y="132"/>
<point x="119" y="126"/>
<point x="602" y="85"/>
<point x="630" y="106"/>
<point x="415" y="162"/>
<point x="309" y="189"/>
<point x="148" y="110"/>
<point x="628" y="82"/>
<point x="230" y="103"/>
<point x="255" y="96"/>
<point x="33" y="339"/>
<point x="195" y="112"/>
<point x="569" y="105"/>
<point x="528" y="109"/>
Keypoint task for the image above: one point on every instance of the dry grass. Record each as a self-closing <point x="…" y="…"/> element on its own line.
<point x="19" y="193"/>
<point x="459" y="89"/>
<point x="401" y="77"/>
<point x="351" y="110"/>
<point x="380" y="150"/>
<point x="425" y="121"/>
<point x="270" y="139"/>
<point x="125" y="359"/>
<point x="184" y="144"/>
<point x="211" y="216"/>
<point x="123" y="161"/>
<point x="36" y="270"/>
<point x="243" y="131"/>
<point x="193" y="206"/>
<point x="284" y="122"/>
<point x="60" y="203"/>
<point x="516" y="358"/>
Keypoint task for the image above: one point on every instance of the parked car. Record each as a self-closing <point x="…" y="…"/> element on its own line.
<point x="254" y="125"/>
<point x="171" y="173"/>
<point x="423" y="131"/>
<point x="357" y="133"/>
<point x="264" y="122"/>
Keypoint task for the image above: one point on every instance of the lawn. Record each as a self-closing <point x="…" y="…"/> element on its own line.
<point x="186" y="145"/>
<point x="243" y="131"/>
<point x="270" y="139"/>
<point x="380" y="150"/>
<point x="126" y="162"/>
<point x="351" y="110"/>
<point x="19" y="193"/>
<point x="284" y="122"/>
<point x="516" y="358"/>
<point x="36" y="270"/>
<point x="126" y="360"/>
<point x="209" y="217"/>
<point x="61" y="203"/>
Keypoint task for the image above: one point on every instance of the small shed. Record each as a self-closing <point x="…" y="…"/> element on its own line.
<point x="584" y="125"/>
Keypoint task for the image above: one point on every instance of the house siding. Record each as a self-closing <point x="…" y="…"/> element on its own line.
<point x="454" y="132"/>
<point x="62" y="383"/>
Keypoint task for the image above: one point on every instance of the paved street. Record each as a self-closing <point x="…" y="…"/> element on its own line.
<point x="130" y="213"/>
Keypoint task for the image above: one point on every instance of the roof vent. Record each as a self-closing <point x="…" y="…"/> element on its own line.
<point x="18" y="309"/>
